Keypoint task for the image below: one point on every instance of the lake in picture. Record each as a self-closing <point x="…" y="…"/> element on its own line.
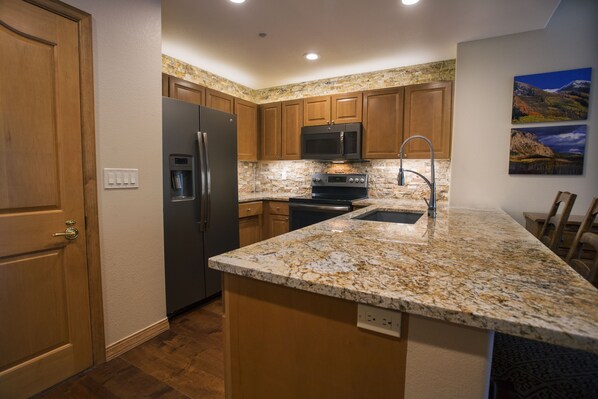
<point x="551" y="97"/>
<point x="549" y="150"/>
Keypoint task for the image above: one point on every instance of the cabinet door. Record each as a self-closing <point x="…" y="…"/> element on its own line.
<point x="246" y="130"/>
<point x="219" y="101"/>
<point x="316" y="111"/>
<point x="292" y="121"/>
<point x="346" y="108"/>
<point x="428" y="109"/>
<point x="164" y="85"/>
<point x="250" y="230"/>
<point x="277" y="225"/>
<point x="270" y="131"/>
<point x="186" y="91"/>
<point x="382" y="123"/>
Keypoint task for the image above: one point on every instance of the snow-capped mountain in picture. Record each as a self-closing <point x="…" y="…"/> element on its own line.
<point x="552" y="97"/>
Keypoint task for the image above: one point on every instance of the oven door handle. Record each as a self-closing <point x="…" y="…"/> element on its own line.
<point x="324" y="208"/>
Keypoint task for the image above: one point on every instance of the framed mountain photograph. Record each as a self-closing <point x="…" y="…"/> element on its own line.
<point x="551" y="97"/>
<point x="549" y="150"/>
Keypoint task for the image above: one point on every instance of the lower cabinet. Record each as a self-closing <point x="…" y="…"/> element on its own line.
<point x="250" y="223"/>
<point x="262" y="220"/>
<point x="276" y="219"/>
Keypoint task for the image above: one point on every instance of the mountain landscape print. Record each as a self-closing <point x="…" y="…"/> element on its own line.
<point x="551" y="97"/>
<point x="549" y="150"/>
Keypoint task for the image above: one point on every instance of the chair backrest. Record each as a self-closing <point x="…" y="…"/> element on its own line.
<point x="586" y="267"/>
<point x="586" y="225"/>
<point x="552" y="240"/>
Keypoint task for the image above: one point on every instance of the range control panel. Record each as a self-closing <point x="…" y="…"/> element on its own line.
<point x="339" y="180"/>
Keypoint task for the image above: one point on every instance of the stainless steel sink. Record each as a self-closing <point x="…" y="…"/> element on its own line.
<point x="391" y="216"/>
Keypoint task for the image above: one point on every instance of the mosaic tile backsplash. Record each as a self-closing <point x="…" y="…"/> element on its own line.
<point x="294" y="177"/>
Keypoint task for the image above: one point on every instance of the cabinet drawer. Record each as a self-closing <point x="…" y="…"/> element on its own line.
<point x="278" y="208"/>
<point x="250" y="209"/>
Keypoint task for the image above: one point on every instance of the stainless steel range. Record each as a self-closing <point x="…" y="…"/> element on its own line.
<point x="331" y="195"/>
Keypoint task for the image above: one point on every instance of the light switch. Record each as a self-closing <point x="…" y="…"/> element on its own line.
<point x="121" y="178"/>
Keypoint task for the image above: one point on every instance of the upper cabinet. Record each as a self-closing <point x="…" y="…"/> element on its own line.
<point x="292" y="121"/>
<point x="270" y="131"/>
<point x="246" y="130"/>
<point x="220" y="101"/>
<point x="280" y="130"/>
<point x="382" y="123"/>
<point x="186" y="91"/>
<point x="390" y="116"/>
<point x="339" y="108"/>
<point x="428" y="109"/>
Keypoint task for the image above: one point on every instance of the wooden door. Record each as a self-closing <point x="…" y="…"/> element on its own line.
<point x="219" y="101"/>
<point x="270" y="131"/>
<point x="428" y="109"/>
<point x="346" y="108"/>
<point x="382" y="123"/>
<point x="45" y="334"/>
<point x="292" y="122"/>
<point x="246" y="130"/>
<point x="316" y="111"/>
<point x="186" y="91"/>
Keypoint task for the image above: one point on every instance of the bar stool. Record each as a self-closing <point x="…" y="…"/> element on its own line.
<point x="588" y="268"/>
<point x="552" y="238"/>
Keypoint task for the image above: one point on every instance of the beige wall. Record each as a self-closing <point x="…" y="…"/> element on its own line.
<point x="128" y="110"/>
<point x="482" y="118"/>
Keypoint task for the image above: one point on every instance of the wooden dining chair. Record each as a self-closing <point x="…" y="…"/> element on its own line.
<point x="588" y="268"/>
<point x="552" y="237"/>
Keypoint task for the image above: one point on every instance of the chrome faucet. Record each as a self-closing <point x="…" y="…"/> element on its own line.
<point x="401" y="177"/>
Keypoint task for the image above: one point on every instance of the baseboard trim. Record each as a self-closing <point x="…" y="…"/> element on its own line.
<point x="118" y="348"/>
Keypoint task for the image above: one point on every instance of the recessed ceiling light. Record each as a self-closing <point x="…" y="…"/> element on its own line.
<point x="311" y="56"/>
<point x="407" y="2"/>
<point x="238" y="1"/>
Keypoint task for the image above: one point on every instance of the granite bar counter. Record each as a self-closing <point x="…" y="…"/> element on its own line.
<point x="474" y="268"/>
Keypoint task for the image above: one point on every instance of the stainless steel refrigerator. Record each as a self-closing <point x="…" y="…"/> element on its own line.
<point x="200" y="198"/>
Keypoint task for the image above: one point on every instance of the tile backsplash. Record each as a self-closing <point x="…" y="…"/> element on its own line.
<point x="294" y="177"/>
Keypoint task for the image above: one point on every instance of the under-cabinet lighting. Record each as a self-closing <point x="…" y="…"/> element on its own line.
<point x="238" y="1"/>
<point x="409" y="2"/>
<point x="311" y="56"/>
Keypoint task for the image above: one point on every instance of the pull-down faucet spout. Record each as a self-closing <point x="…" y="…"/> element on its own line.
<point x="432" y="184"/>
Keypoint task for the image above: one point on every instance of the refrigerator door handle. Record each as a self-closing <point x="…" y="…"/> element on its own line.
<point x="202" y="181"/>
<point x="208" y="181"/>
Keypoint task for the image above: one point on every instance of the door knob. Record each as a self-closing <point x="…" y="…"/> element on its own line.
<point x="70" y="233"/>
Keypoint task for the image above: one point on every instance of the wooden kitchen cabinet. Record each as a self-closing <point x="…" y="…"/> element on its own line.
<point x="382" y="123"/>
<point x="250" y="222"/>
<point x="291" y="124"/>
<point x="336" y="109"/>
<point x="270" y="131"/>
<point x="428" y="112"/>
<point x="164" y="85"/>
<point x="185" y="91"/>
<point x="220" y="101"/>
<point x="276" y="219"/>
<point x="246" y="130"/>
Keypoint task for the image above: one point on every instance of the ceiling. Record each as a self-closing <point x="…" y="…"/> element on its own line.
<point x="351" y="36"/>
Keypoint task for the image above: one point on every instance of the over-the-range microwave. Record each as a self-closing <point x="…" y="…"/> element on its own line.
<point x="331" y="142"/>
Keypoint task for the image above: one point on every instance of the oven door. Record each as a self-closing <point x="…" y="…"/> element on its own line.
<point x="301" y="214"/>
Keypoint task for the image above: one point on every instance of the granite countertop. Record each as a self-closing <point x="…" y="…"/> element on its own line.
<point x="248" y="197"/>
<point x="477" y="268"/>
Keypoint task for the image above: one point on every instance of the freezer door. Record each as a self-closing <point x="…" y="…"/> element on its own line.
<point x="183" y="240"/>
<point x="221" y="233"/>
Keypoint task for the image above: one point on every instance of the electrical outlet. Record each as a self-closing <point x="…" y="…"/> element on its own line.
<point x="384" y="321"/>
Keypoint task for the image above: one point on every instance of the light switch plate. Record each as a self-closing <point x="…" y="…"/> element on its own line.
<point x="383" y="321"/>
<point x="121" y="178"/>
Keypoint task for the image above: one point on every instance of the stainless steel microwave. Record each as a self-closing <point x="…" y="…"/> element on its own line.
<point x="331" y="142"/>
